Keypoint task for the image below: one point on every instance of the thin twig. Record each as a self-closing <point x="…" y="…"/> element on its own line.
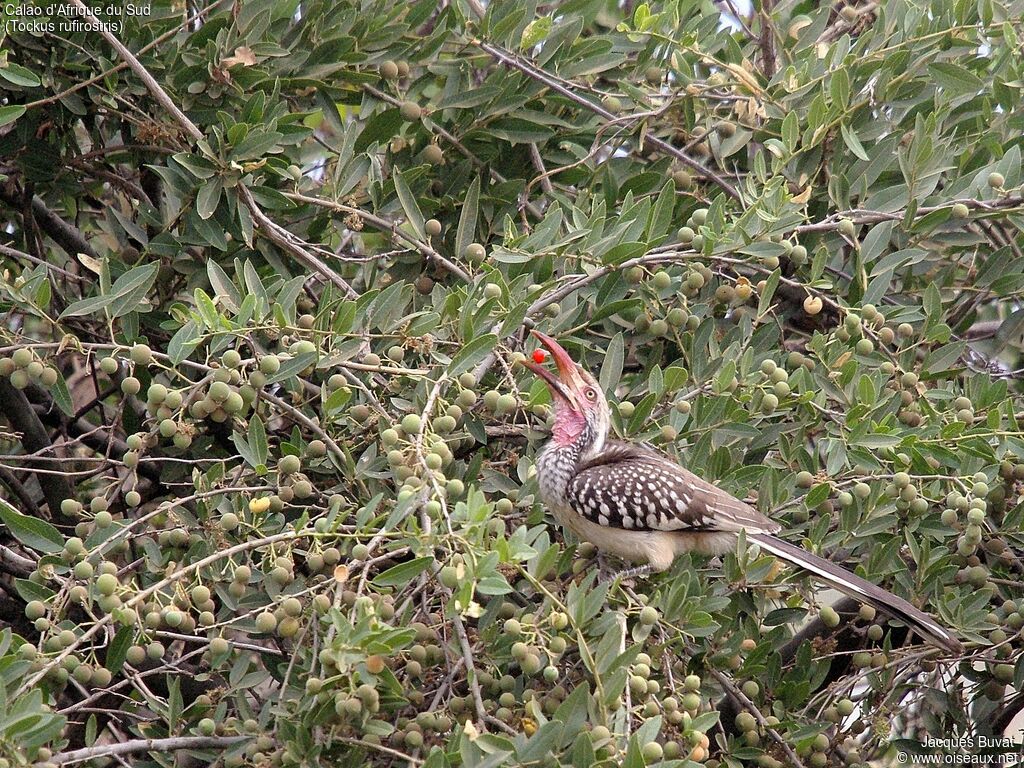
<point x="660" y="144"/>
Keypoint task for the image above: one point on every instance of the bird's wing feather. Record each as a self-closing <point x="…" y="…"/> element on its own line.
<point x="636" y="488"/>
<point x="861" y="589"/>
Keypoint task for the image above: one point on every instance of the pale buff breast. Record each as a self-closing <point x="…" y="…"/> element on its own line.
<point x="655" y="548"/>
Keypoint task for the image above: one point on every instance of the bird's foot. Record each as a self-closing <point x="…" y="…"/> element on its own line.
<point x="629" y="574"/>
<point x="605" y="572"/>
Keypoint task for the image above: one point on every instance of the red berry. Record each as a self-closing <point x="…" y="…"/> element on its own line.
<point x="539" y="356"/>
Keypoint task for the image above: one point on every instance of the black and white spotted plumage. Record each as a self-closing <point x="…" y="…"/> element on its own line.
<point x="633" y="487"/>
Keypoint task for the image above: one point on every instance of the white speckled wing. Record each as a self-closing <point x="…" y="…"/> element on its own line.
<point x="635" y="488"/>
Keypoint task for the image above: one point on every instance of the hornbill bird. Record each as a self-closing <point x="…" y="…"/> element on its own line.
<point x="631" y="501"/>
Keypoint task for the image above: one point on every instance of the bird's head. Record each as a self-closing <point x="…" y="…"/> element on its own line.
<point x="582" y="415"/>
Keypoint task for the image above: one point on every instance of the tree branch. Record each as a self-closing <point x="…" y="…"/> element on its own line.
<point x="68" y="237"/>
<point x="34" y="438"/>
<point x="146" y="745"/>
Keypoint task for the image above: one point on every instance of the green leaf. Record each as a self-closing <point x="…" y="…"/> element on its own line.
<point x="223" y="287"/>
<point x="535" y="32"/>
<point x="611" y="366"/>
<point x="771" y="284"/>
<point x="466" y="232"/>
<point x="852" y="142"/>
<point x="29" y="590"/>
<point x="409" y="204"/>
<point x="125" y="294"/>
<point x="624" y="252"/>
<point x="472" y="354"/>
<point x="62" y="396"/>
<point x="817" y="495"/>
<point x="117" y="651"/>
<point x="18" y="75"/>
<point x="209" y="197"/>
<point x="401" y="574"/>
<point x="11" y="113"/>
<point x="184" y="342"/>
<point x="258" y="439"/>
<point x="661" y="214"/>
<point x="256" y="144"/>
<point x="197" y="165"/>
<point x="955" y="79"/>
<point x="292" y="367"/>
<point x="31" y="531"/>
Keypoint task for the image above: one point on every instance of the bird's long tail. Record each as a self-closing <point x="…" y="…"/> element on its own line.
<point x="854" y="586"/>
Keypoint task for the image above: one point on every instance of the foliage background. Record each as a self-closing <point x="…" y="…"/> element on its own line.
<point x="267" y="459"/>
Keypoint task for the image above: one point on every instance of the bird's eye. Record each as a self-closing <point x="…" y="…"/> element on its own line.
<point x="591" y="394"/>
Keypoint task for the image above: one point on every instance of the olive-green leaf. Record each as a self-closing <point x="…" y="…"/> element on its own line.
<point x="125" y="294"/>
<point x="412" y="209"/>
<point x="403" y="573"/>
<point x="472" y="353"/>
<point x="31" y="531"/>
<point x="18" y="75"/>
<point x="11" y="113"/>
<point x="467" y="218"/>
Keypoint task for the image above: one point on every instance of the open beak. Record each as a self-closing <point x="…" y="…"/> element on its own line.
<point x="566" y="383"/>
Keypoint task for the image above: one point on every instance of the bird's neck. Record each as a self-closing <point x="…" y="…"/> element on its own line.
<point x="557" y="464"/>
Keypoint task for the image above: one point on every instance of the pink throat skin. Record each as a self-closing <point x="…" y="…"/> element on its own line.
<point x="568" y="426"/>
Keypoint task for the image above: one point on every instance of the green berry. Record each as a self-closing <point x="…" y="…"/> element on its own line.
<point x="829" y="617"/>
<point x="649" y="615"/>
<point x="70" y="507"/>
<point x="475" y="252"/>
<point x="266" y="622"/>
<point x="652" y="752"/>
<point x="448" y="576"/>
<point x="22" y="357"/>
<point x="106" y="584"/>
<point x="746" y="722"/>
<point x="289" y="465"/>
<point x="141" y="354"/>
<point x="611" y="104"/>
<point x="410" y="111"/>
